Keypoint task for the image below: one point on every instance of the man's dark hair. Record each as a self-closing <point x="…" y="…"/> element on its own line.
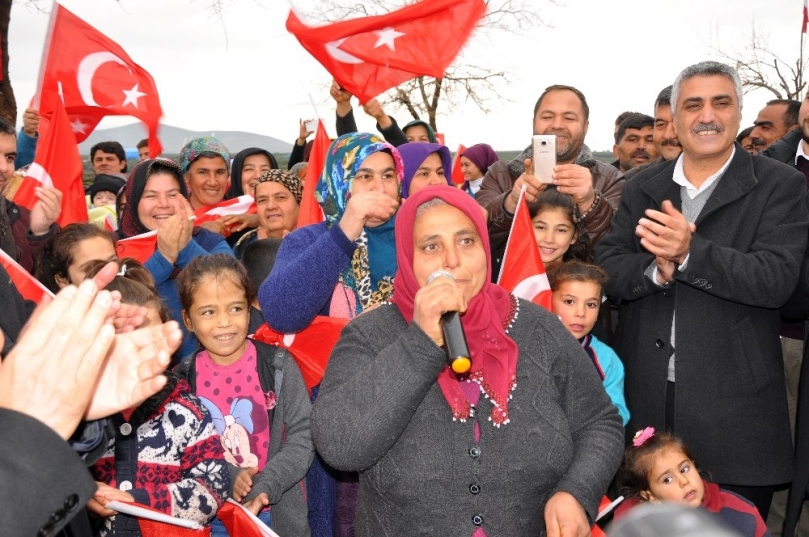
<point x="623" y="115"/>
<point x="560" y="87"/>
<point x="744" y="134"/>
<point x="7" y="128"/>
<point x="664" y="97"/>
<point x="633" y="121"/>
<point x="793" y="108"/>
<point x="108" y="147"/>
<point x="143" y="143"/>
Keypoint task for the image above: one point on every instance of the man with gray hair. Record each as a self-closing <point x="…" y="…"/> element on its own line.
<point x="702" y="252"/>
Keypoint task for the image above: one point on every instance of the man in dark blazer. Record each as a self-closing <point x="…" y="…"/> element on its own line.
<point x="701" y="254"/>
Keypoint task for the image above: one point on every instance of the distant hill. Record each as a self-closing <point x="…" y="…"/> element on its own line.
<point x="174" y="138"/>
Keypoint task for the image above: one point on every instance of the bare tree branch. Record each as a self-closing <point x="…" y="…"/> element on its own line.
<point x="760" y="67"/>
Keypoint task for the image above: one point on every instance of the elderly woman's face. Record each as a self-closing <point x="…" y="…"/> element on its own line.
<point x="277" y="208"/>
<point x="446" y="239"/>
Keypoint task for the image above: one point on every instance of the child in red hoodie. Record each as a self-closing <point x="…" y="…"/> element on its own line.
<point x="659" y="468"/>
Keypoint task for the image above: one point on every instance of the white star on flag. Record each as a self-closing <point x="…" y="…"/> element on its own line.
<point x="132" y="96"/>
<point x="78" y="126"/>
<point x="387" y="37"/>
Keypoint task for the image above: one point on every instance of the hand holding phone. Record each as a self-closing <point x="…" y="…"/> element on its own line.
<point x="544" y="157"/>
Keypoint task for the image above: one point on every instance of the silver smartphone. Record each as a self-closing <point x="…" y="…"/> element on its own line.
<point x="544" y="159"/>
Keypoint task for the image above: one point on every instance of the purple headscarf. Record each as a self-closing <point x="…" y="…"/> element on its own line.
<point x="414" y="153"/>
<point x="482" y="156"/>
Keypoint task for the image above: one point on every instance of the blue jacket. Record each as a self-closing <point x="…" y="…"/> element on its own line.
<point x="302" y="281"/>
<point x="26" y="147"/>
<point x="611" y="371"/>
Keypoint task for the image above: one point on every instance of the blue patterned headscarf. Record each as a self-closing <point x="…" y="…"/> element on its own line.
<point x="207" y="144"/>
<point x="342" y="162"/>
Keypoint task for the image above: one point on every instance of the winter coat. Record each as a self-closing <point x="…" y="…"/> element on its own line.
<point x="743" y="264"/>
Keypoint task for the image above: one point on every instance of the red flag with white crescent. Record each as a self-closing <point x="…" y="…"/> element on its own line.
<point x="370" y="55"/>
<point x="522" y="272"/>
<point x="805" y="15"/>
<point x="96" y="78"/>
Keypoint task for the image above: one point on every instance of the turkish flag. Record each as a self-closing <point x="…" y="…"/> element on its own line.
<point x="311" y="347"/>
<point x="370" y="55"/>
<point x="805" y="15"/>
<point x="141" y="247"/>
<point x="522" y="272"/>
<point x="57" y="163"/>
<point x="310" y="211"/>
<point x="239" y="521"/>
<point x="458" y="178"/>
<point x="241" y="205"/>
<point x="29" y="287"/>
<point x="96" y="78"/>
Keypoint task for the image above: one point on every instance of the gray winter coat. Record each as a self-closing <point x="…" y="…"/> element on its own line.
<point x="380" y="411"/>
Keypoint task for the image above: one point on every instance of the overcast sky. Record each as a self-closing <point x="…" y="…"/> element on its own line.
<point x="620" y="53"/>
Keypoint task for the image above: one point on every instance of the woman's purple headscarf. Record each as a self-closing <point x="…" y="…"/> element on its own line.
<point x="414" y="153"/>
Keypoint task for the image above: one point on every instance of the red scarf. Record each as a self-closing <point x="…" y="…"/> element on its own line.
<point x="494" y="353"/>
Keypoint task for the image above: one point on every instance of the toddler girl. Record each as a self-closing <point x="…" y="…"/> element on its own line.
<point x="577" y="289"/>
<point x="659" y="468"/>
<point x="254" y="391"/>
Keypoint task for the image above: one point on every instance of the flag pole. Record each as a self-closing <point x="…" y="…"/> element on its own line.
<point x="312" y="102"/>
<point x="45" y="51"/>
<point x="800" y="65"/>
<point x="513" y="221"/>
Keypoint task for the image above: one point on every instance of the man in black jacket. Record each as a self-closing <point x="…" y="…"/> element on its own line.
<point x="701" y="254"/>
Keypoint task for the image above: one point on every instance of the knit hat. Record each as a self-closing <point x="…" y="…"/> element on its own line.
<point x="196" y="147"/>
<point x="105" y="183"/>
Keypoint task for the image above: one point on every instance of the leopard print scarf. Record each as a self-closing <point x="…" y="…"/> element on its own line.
<point x="357" y="276"/>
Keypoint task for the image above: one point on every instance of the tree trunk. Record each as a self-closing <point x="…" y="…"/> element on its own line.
<point x="432" y="106"/>
<point x="8" y="105"/>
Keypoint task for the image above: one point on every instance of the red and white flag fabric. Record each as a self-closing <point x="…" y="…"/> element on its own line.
<point x="522" y="272"/>
<point x="96" y="78"/>
<point x="310" y="211"/>
<point x="458" y="178"/>
<point x="57" y="163"/>
<point x="141" y="247"/>
<point x="242" y="205"/>
<point x="239" y="521"/>
<point x="29" y="287"/>
<point x="805" y="15"/>
<point x="311" y="347"/>
<point x="370" y="55"/>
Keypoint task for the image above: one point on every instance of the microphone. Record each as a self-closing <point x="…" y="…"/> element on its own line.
<point x="458" y="357"/>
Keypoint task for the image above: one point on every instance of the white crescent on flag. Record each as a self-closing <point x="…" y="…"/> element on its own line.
<point x="87" y="70"/>
<point x="532" y="286"/>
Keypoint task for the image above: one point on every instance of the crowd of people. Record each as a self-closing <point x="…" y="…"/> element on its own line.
<point x="669" y="368"/>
